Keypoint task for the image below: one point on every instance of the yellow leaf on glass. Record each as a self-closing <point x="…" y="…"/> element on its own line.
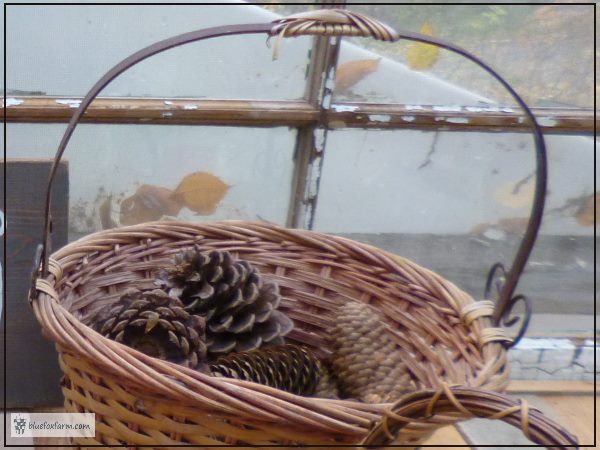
<point x="201" y="192"/>
<point x="420" y="56"/>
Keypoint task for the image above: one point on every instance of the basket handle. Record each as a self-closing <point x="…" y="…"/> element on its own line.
<point x="332" y="22"/>
<point x="470" y="403"/>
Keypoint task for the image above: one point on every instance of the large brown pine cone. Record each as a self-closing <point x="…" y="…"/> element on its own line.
<point x="239" y="308"/>
<point x="157" y="325"/>
<point x="365" y="360"/>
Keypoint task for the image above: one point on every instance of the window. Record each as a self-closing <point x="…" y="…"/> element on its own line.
<point x="412" y="143"/>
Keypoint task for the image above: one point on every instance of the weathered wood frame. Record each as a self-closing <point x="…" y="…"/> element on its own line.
<point x="265" y="113"/>
<point x="312" y="116"/>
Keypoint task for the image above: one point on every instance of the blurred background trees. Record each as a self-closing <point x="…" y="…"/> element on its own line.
<point x="546" y="51"/>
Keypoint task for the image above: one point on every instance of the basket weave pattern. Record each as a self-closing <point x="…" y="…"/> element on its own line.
<point x="140" y="400"/>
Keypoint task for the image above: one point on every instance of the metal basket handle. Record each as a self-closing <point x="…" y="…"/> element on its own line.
<point x="333" y="22"/>
<point x="468" y="402"/>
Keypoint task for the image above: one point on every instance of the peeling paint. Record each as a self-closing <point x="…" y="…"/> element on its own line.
<point x="448" y="108"/>
<point x="414" y="108"/>
<point x="521" y="120"/>
<point x="71" y="103"/>
<point x="457" y="120"/>
<point x="507" y="110"/>
<point x="166" y="114"/>
<point x="336" y="124"/>
<point x="13" y="101"/>
<point x="487" y="109"/>
<point x="168" y="102"/>
<point x="408" y="118"/>
<point x="474" y="108"/>
<point x="547" y="121"/>
<point x="380" y="117"/>
<point x="342" y="108"/>
<point x="190" y="107"/>
<point x="315" y="175"/>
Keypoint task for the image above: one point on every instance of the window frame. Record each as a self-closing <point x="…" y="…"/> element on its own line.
<point x="312" y="117"/>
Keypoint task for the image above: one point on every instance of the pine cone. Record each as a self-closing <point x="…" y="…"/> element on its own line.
<point x="157" y="325"/>
<point x="327" y="385"/>
<point x="365" y="359"/>
<point x="239" y="308"/>
<point x="288" y="367"/>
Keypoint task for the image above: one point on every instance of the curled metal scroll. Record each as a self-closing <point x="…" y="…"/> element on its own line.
<point x="495" y="281"/>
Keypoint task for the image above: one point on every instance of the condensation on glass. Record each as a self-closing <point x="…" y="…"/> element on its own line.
<point x="459" y="202"/>
<point x="127" y="174"/>
<point x="95" y="38"/>
<point x="412" y="181"/>
<point x="545" y="51"/>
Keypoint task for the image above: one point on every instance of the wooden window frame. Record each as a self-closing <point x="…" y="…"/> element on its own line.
<point x="274" y="113"/>
<point x="313" y="116"/>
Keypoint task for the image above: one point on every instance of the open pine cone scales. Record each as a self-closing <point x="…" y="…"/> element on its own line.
<point x="157" y="325"/>
<point x="239" y="308"/>
<point x="288" y="367"/>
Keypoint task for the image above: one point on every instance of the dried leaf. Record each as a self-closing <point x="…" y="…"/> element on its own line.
<point x="420" y="56"/>
<point x="585" y="214"/>
<point x="201" y="192"/>
<point x="148" y="203"/>
<point x="351" y="72"/>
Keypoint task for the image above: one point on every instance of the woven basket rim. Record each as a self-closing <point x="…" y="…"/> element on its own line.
<point x="219" y="394"/>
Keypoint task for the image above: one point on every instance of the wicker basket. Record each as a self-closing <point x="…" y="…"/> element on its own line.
<point x="454" y="353"/>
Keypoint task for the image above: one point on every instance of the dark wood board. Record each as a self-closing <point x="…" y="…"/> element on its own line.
<point x="32" y="372"/>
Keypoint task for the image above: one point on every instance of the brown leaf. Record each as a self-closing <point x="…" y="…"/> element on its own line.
<point x="585" y="214"/>
<point x="201" y="192"/>
<point x="420" y="56"/>
<point x="147" y="204"/>
<point x="351" y="72"/>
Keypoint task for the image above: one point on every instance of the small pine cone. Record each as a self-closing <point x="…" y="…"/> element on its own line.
<point x="365" y="360"/>
<point x="287" y="367"/>
<point x="239" y="308"/>
<point x="157" y="325"/>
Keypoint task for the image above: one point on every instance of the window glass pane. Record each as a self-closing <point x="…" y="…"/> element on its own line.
<point x="458" y="202"/>
<point x="95" y="38"/>
<point x="127" y="174"/>
<point x="537" y="48"/>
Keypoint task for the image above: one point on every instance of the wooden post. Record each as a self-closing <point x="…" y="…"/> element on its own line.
<point x="32" y="372"/>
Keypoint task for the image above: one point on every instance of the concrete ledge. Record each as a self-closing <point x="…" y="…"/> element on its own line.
<point x="553" y="359"/>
